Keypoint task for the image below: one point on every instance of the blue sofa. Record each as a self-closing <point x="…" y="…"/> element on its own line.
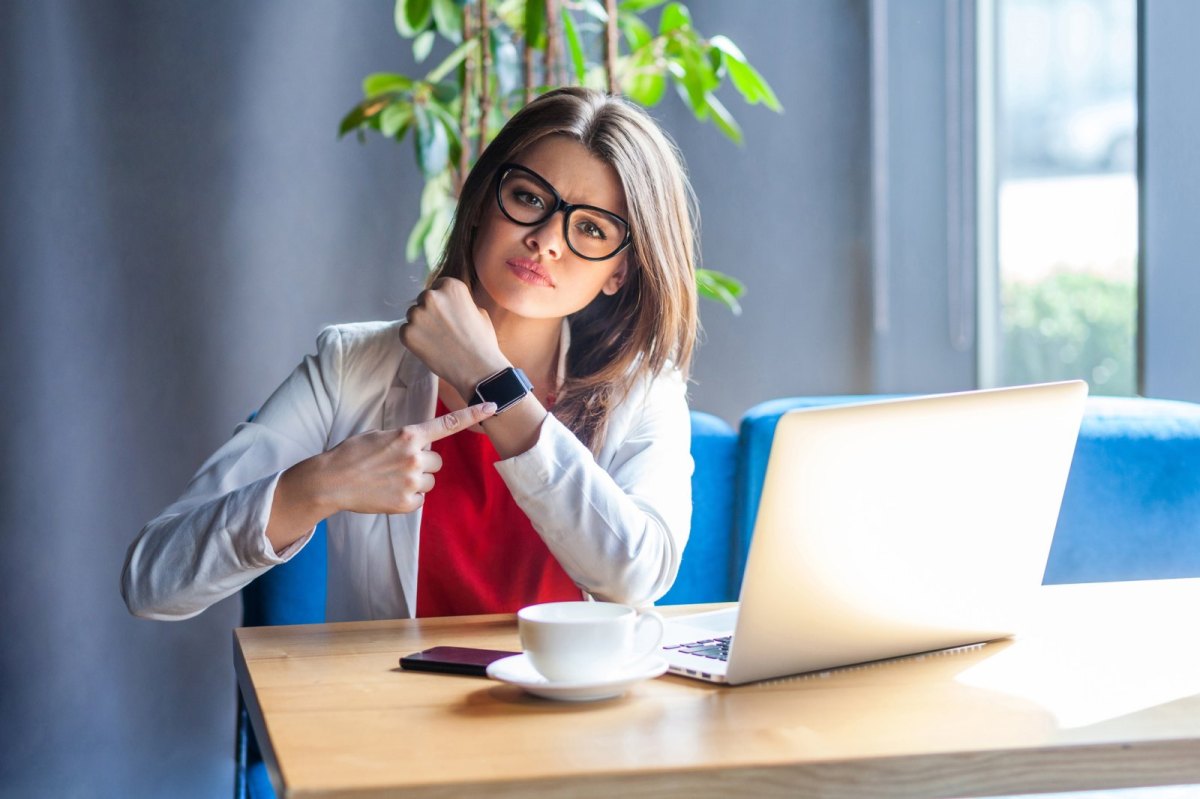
<point x="1131" y="511"/>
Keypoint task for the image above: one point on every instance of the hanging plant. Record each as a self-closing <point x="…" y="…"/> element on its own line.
<point x="508" y="51"/>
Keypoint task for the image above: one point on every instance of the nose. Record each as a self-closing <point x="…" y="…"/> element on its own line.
<point x="546" y="238"/>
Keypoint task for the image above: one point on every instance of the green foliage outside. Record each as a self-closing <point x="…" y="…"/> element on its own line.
<point x="1072" y="325"/>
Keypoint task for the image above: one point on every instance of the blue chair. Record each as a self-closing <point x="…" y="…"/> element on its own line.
<point x="1131" y="508"/>
<point x="294" y="592"/>
<point x="705" y="574"/>
<point x="291" y="593"/>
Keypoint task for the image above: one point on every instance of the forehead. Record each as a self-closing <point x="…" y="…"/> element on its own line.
<point x="580" y="177"/>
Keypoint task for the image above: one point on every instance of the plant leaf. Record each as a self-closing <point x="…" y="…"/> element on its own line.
<point x="452" y="61"/>
<point x="574" y="43"/>
<point x="638" y="6"/>
<point x="362" y="114"/>
<point x="353" y="120"/>
<point x="723" y="119"/>
<point x="596" y="10"/>
<point x="511" y="14"/>
<point x="444" y="114"/>
<point x="436" y="193"/>
<point x="693" y="73"/>
<point x="450" y="124"/>
<point x="435" y="238"/>
<point x="394" y="117"/>
<point x="716" y="62"/>
<point x="751" y="85"/>
<point x="412" y="16"/>
<point x="423" y="44"/>
<point x="445" y="92"/>
<point x="380" y="82"/>
<point x="674" y="17"/>
<point x="433" y="146"/>
<point x="506" y="62"/>
<point x="535" y="23"/>
<point x="597" y="78"/>
<point x="695" y="59"/>
<point x="727" y="47"/>
<point x="416" y="238"/>
<point x="645" y="82"/>
<point x="447" y="16"/>
<point x="637" y="33"/>
<point x="720" y="287"/>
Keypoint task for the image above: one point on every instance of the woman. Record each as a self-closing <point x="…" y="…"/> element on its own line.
<point x="569" y="267"/>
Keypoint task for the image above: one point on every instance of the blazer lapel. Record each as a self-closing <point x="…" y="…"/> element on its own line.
<point x="412" y="397"/>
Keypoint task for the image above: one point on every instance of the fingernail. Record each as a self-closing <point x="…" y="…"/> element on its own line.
<point x="489" y="407"/>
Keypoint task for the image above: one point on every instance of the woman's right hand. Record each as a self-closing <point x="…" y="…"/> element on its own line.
<point x="382" y="471"/>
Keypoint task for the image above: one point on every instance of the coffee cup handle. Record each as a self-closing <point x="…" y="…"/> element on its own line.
<point x="644" y="617"/>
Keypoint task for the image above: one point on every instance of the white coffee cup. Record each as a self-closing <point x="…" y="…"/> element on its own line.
<point x="585" y="641"/>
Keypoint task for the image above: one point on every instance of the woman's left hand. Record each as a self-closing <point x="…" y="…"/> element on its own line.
<point x="452" y="335"/>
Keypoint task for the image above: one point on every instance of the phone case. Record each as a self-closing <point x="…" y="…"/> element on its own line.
<point x="454" y="660"/>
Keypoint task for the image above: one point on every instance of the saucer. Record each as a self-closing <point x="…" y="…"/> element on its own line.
<point x="518" y="670"/>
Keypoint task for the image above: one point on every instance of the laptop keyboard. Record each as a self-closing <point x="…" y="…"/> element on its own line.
<point x="712" y="648"/>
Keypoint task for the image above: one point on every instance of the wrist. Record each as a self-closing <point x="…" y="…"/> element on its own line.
<point x="307" y="488"/>
<point x="478" y="373"/>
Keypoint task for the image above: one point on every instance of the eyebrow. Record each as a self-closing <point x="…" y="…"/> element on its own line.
<point x="622" y="216"/>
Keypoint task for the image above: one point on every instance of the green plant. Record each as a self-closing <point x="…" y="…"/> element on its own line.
<point x="507" y="51"/>
<point x="1072" y="325"/>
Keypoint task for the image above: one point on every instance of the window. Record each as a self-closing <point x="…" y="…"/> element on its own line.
<point x="1062" y="127"/>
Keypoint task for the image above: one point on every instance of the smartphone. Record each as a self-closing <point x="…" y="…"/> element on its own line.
<point x="454" y="660"/>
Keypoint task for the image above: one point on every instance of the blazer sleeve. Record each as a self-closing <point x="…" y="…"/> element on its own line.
<point x="619" y="530"/>
<point x="212" y="541"/>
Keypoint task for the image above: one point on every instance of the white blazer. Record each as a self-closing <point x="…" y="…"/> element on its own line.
<point x="617" y="522"/>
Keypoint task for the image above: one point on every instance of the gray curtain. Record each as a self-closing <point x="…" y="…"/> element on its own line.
<point x="178" y="221"/>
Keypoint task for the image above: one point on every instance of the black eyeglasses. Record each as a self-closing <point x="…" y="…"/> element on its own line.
<point x="527" y="198"/>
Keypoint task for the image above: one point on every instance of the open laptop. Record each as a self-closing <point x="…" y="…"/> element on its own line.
<point x="891" y="528"/>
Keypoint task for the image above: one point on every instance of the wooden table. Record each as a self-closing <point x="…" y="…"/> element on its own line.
<point x="1103" y="691"/>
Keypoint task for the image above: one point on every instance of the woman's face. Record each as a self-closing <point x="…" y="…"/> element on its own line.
<point x="530" y="271"/>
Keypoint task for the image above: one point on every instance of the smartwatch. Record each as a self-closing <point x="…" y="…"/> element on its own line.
<point x="506" y="387"/>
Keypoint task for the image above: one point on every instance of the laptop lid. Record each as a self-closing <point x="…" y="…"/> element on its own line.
<point x="902" y="526"/>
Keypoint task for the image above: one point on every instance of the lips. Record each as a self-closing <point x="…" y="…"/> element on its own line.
<point x="530" y="272"/>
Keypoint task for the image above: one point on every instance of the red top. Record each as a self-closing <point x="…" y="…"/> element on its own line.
<point x="479" y="553"/>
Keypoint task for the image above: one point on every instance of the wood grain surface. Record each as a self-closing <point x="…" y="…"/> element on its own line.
<point x="1102" y="690"/>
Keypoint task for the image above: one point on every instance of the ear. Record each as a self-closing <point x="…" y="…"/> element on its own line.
<point x="616" y="279"/>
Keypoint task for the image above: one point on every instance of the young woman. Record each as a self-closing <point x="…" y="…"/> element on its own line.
<point x="521" y="437"/>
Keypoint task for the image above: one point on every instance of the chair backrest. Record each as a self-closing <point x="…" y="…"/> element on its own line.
<point x="292" y="592"/>
<point x="1131" y="509"/>
<point x="705" y="574"/>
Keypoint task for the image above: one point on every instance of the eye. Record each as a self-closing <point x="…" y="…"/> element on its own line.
<point x="529" y="198"/>
<point x="591" y="230"/>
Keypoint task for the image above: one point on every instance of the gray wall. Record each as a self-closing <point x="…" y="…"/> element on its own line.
<point x="1170" y="199"/>
<point x="788" y="213"/>
<point x="178" y="222"/>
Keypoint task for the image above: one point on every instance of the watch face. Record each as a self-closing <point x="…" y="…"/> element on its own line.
<point x="503" y="388"/>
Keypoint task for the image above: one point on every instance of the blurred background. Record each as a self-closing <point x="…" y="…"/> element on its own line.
<point x="958" y="193"/>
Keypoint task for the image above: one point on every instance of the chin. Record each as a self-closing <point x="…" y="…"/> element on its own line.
<point x="524" y="301"/>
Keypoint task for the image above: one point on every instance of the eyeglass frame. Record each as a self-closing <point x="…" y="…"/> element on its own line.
<point x="559" y="205"/>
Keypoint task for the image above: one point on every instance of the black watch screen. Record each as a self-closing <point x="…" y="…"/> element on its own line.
<point x="504" y="388"/>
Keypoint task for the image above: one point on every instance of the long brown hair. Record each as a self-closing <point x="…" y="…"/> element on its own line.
<point x="651" y="323"/>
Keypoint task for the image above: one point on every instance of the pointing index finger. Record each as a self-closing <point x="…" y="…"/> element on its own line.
<point x="442" y="426"/>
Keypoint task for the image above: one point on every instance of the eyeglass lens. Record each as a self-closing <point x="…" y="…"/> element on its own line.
<point x="527" y="200"/>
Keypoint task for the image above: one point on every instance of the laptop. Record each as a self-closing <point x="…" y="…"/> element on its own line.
<point x="891" y="528"/>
